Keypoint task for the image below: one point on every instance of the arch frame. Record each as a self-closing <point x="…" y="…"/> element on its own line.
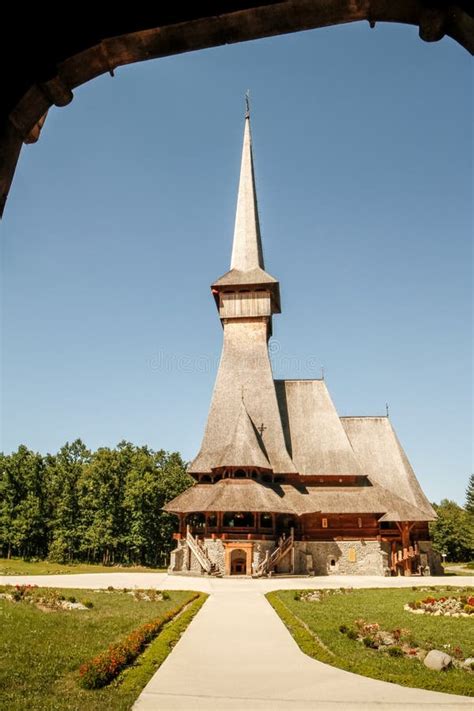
<point x="52" y="63"/>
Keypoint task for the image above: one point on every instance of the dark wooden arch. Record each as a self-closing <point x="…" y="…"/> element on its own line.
<point x="46" y="53"/>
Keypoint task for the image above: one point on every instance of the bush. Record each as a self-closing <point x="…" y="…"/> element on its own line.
<point x="89" y="604"/>
<point x="395" y="651"/>
<point x="352" y="634"/>
<point x="165" y="595"/>
<point x="344" y="629"/>
<point x="71" y="598"/>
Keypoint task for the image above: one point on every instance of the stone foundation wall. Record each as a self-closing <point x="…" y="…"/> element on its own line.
<point x="340" y="558"/>
<point x="215" y="551"/>
<point x="310" y="557"/>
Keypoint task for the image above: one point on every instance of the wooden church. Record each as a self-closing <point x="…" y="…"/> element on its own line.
<point x="283" y="484"/>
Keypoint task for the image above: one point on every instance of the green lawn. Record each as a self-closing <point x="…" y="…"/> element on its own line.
<point x="17" y="566"/>
<point x="322" y="639"/>
<point x="40" y="652"/>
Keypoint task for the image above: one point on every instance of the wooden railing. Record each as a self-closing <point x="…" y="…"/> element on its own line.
<point x="267" y="565"/>
<point x="199" y="551"/>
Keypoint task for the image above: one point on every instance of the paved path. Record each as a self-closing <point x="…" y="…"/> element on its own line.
<point x="214" y="585"/>
<point x="237" y="654"/>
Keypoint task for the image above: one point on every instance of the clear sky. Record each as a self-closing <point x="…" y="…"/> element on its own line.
<point x="122" y="215"/>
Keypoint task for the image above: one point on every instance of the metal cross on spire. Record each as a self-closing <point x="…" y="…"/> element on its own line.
<point x="247" y="104"/>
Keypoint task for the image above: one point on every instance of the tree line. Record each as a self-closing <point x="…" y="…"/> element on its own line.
<point x="77" y="505"/>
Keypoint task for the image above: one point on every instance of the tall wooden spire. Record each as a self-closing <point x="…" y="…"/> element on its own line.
<point x="247" y="265"/>
<point x="247" y="253"/>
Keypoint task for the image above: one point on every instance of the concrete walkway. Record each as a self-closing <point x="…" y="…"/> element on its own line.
<point x="237" y="654"/>
<point x="163" y="581"/>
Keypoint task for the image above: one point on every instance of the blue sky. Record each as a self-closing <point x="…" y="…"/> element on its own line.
<point x="122" y="215"/>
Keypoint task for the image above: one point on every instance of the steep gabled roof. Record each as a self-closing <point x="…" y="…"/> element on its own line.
<point x="382" y="458"/>
<point x="244" y="369"/>
<point x="314" y="435"/>
<point x="245" y="447"/>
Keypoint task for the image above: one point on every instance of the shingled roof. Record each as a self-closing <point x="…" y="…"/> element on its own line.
<point x="245" y="445"/>
<point x="314" y="435"/>
<point x="382" y="458"/>
<point x="230" y="495"/>
<point x="249" y="495"/>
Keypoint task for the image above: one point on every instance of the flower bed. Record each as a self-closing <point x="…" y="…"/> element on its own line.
<point x="398" y="643"/>
<point x="319" y="595"/>
<point x="46" y="600"/>
<point x="103" y="668"/>
<point x="452" y="606"/>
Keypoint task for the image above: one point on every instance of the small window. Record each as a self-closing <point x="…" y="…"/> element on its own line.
<point x="266" y="520"/>
<point x="324" y="522"/>
<point x="333" y="563"/>
<point x="240" y="474"/>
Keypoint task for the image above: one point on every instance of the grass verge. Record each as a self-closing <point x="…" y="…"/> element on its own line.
<point x="41" y="652"/>
<point x="315" y="628"/>
<point x="18" y="566"/>
<point x="133" y="680"/>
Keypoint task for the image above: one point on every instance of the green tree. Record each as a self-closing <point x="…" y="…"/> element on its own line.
<point x="154" y="479"/>
<point x="453" y="531"/>
<point x="470" y="496"/>
<point x="24" y="504"/>
<point x="64" y="474"/>
<point x="100" y="498"/>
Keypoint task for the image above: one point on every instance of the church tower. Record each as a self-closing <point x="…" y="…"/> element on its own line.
<point x="282" y="483"/>
<point x="244" y="429"/>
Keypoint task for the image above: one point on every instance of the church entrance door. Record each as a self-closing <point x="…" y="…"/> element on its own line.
<point x="238" y="557"/>
<point x="238" y="562"/>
